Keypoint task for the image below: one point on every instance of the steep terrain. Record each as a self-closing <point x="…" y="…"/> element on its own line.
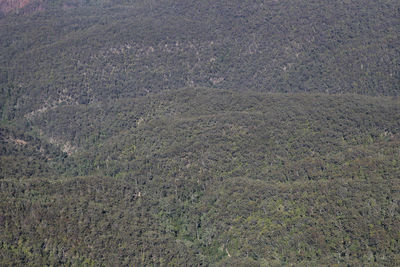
<point x="105" y="51"/>
<point x="212" y="133"/>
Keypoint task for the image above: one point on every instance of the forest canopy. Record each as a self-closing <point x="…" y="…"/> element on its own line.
<point x="199" y="133"/>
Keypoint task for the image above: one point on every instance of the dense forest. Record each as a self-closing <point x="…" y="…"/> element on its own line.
<point x="199" y="133"/>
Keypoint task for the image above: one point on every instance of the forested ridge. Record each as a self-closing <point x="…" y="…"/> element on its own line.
<point x="208" y="133"/>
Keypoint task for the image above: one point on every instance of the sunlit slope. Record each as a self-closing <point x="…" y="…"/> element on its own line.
<point x="214" y="177"/>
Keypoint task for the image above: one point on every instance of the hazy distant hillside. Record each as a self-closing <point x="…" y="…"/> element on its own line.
<point x="199" y="133"/>
<point x="104" y="51"/>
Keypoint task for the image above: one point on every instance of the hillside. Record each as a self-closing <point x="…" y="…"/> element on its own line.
<point x="98" y="52"/>
<point x="209" y="133"/>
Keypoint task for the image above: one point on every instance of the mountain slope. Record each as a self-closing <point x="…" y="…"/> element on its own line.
<point x="97" y="52"/>
<point x="214" y="177"/>
<point x="212" y="133"/>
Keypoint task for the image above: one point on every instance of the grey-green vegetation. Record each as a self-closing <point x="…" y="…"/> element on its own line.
<point x="200" y="133"/>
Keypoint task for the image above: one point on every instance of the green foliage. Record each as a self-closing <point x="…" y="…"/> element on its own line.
<point x="102" y="51"/>
<point x="213" y="133"/>
<point x="209" y="176"/>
